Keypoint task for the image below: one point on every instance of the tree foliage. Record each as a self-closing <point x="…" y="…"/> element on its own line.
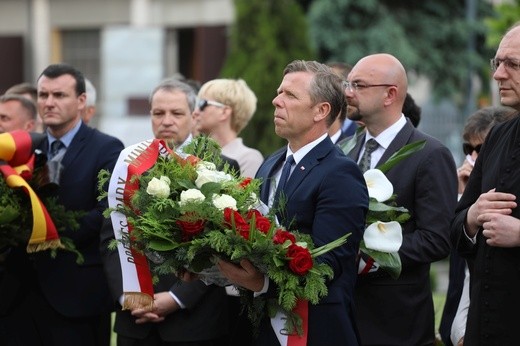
<point x="506" y="14"/>
<point x="266" y="36"/>
<point x="428" y="37"/>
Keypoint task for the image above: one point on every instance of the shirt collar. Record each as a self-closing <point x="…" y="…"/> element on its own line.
<point x="387" y="136"/>
<point x="67" y="138"/>
<point x="300" y="154"/>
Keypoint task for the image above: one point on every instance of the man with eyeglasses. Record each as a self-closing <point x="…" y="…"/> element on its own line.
<point x="454" y="314"/>
<point x="400" y="312"/>
<point x="486" y="228"/>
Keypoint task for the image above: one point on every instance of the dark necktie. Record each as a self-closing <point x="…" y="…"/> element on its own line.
<point x="370" y="146"/>
<point x="286" y="172"/>
<point x="55" y="147"/>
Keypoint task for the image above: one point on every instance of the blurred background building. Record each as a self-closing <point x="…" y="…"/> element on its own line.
<point x="125" y="47"/>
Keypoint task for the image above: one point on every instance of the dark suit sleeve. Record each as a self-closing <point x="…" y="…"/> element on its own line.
<point x="471" y="193"/>
<point x="111" y="260"/>
<point x="340" y="208"/>
<point x="190" y="293"/>
<point x="434" y="200"/>
<point x="106" y="157"/>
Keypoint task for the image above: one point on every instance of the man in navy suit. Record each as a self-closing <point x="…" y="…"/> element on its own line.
<point x="64" y="302"/>
<point x="388" y="311"/>
<point x="326" y="197"/>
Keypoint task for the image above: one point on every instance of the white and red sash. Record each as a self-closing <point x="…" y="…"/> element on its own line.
<point x="133" y="161"/>
<point x="278" y="324"/>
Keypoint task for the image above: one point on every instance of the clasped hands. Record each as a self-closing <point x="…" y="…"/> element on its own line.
<point x="492" y="211"/>
<point x="163" y="305"/>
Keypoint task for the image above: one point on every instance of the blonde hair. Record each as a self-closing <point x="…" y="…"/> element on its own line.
<point x="236" y="94"/>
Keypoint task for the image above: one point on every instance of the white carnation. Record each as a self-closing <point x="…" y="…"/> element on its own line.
<point x="224" y="201"/>
<point x="191" y="196"/>
<point x="159" y="187"/>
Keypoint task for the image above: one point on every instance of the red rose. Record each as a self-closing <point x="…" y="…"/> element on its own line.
<point x="245" y="182"/>
<point x="233" y="217"/>
<point x="261" y="222"/>
<point x="300" y="260"/>
<point x="191" y="228"/>
<point x="281" y="236"/>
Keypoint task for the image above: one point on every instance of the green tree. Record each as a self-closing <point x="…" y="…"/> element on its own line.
<point x="505" y="16"/>
<point x="430" y="37"/>
<point x="266" y="36"/>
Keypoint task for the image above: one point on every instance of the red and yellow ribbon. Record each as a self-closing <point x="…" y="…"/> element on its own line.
<point x="16" y="159"/>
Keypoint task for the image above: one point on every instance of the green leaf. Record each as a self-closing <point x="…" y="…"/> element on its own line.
<point x="401" y="154"/>
<point x="376" y="206"/>
<point x="162" y="244"/>
<point x="390" y="262"/>
<point x="211" y="188"/>
<point x="347" y="146"/>
<point x="8" y="213"/>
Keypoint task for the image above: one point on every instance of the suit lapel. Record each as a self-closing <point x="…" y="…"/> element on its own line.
<point x="305" y="166"/>
<point x="76" y="146"/>
<point x="400" y="140"/>
<point x="272" y="164"/>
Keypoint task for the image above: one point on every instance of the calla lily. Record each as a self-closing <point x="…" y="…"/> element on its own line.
<point x="379" y="187"/>
<point x="384" y="236"/>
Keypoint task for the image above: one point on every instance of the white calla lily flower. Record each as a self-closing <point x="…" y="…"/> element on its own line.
<point x="384" y="236"/>
<point x="379" y="187"/>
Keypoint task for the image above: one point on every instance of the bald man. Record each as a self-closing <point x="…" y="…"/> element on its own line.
<point x="388" y="311"/>
<point x="16" y="113"/>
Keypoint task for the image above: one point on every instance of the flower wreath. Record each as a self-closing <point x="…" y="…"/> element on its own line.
<point x="183" y="212"/>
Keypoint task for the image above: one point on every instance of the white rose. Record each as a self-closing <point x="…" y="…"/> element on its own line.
<point x="205" y="165"/>
<point x="191" y="195"/>
<point x="159" y="187"/>
<point x="224" y="201"/>
<point x="207" y="176"/>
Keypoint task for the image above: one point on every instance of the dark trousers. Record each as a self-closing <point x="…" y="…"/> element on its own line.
<point x="33" y="322"/>
<point x="154" y="339"/>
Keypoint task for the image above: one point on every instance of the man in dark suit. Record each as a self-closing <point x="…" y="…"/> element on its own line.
<point x="64" y="302"/>
<point x="486" y="227"/>
<point x="400" y="312"/>
<point x="326" y="197"/>
<point x="184" y="313"/>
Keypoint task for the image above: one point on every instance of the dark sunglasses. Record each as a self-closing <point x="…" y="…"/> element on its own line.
<point x="202" y="104"/>
<point x="468" y="149"/>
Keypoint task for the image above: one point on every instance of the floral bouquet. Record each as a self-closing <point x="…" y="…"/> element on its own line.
<point x="183" y="213"/>
<point x="27" y="212"/>
<point x="383" y="236"/>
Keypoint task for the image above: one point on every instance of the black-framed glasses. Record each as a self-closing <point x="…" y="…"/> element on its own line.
<point x="511" y="64"/>
<point x="203" y="103"/>
<point x="356" y="86"/>
<point x="468" y="149"/>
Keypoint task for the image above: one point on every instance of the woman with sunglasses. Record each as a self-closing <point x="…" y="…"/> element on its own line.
<point x="453" y="322"/>
<point x="224" y="108"/>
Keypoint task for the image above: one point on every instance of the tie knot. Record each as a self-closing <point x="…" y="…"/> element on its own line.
<point x="56" y="146"/>
<point x="371" y="145"/>
<point x="289" y="160"/>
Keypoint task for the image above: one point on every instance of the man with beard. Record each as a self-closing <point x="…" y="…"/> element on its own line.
<point x="388" y="311"/>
